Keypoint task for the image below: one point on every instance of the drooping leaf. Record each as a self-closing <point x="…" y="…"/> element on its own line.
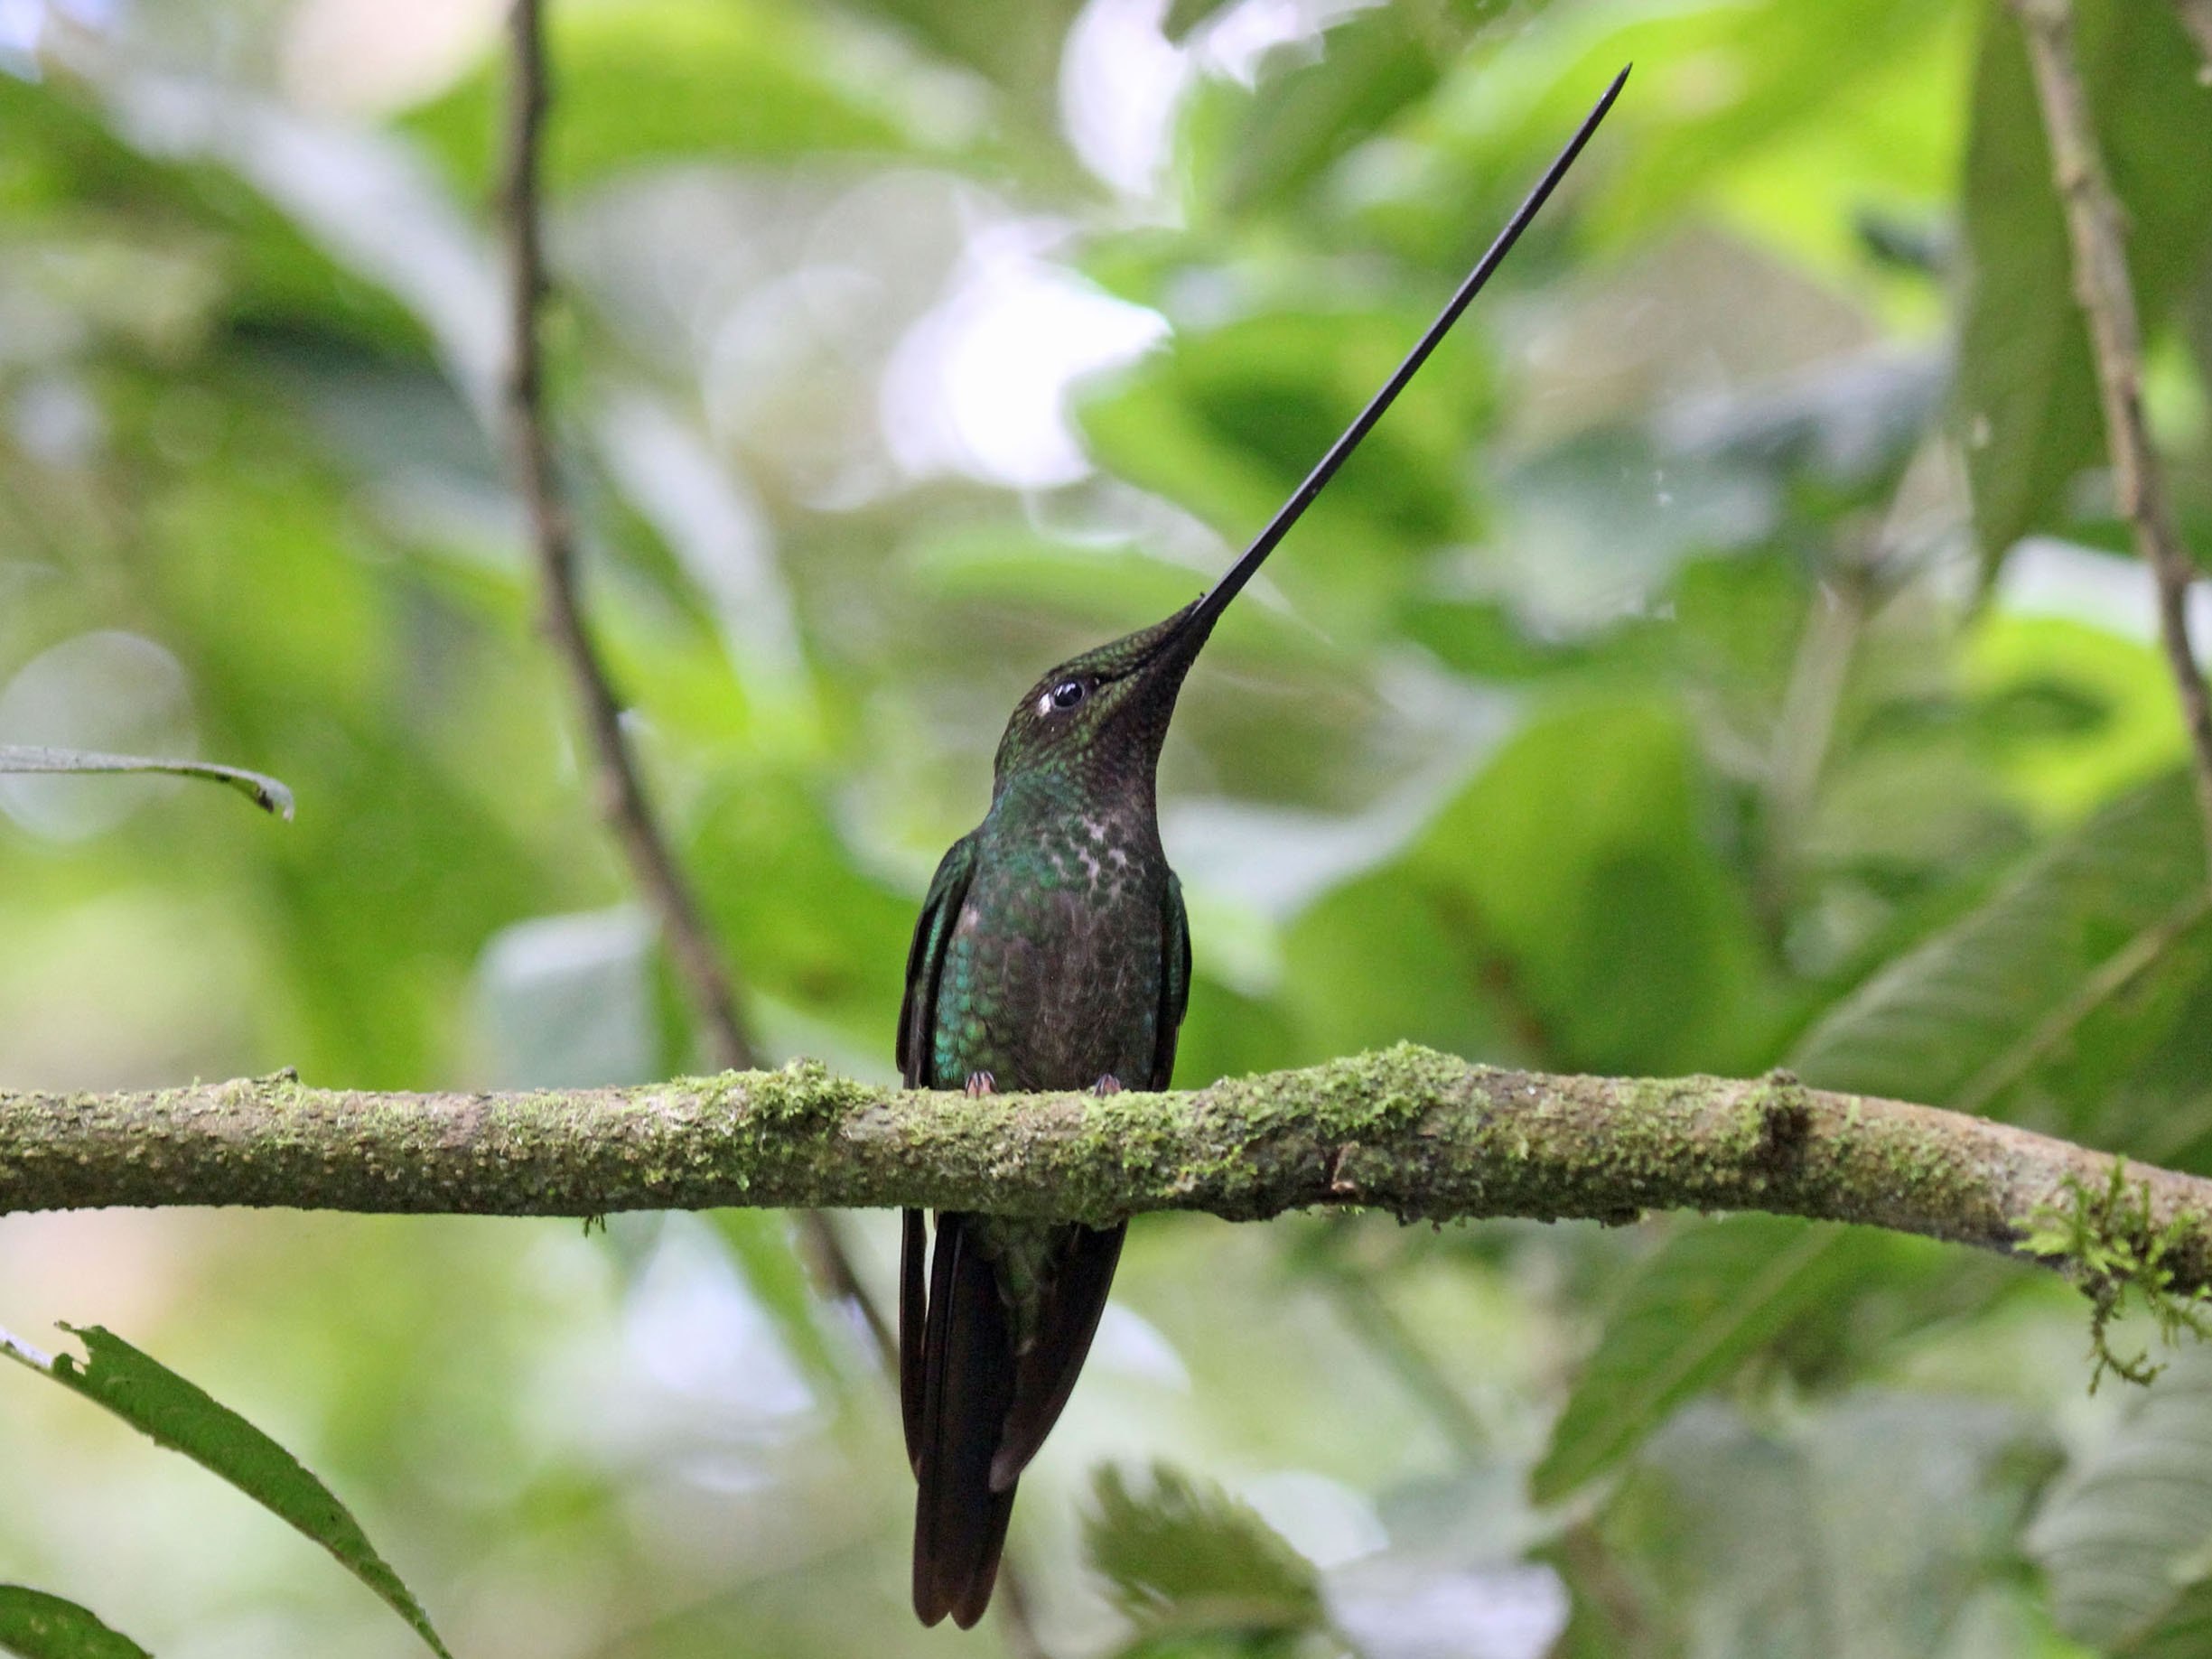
<point x="263" y="790"/>
<point x="38" y="1626"/>
<point x="2027" y="393"/>
<point x="1182" y="1553"/>
<point x="1709" y="1297"/>
<point x="1950" y="1020"/>
<point x="184" y="1417"/>
<point x="1861" y="1529"/>
<point x="2127" y="1530"/>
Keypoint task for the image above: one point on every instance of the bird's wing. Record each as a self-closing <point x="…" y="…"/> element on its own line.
<point x="1174" y="980"/>
<point x="925" y="961"/>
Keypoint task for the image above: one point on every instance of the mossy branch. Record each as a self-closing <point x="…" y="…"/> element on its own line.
<point x="1424" y="1135"/>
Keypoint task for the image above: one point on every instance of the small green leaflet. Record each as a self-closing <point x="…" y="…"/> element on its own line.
<point x="37" y="1625"/>
<point x="1184" y="1555"/>
<point x="263" y="790"/>
<point x="185" y="1418"/>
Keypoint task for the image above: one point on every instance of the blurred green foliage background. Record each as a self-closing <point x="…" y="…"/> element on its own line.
<point x="1725" y="657"/>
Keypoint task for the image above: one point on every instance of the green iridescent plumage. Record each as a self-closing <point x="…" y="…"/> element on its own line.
<point x="1053" y="953"/>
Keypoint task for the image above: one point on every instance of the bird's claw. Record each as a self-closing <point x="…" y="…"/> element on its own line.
<point x="979" y="1084"/>
<point x="1107" y="1085"/>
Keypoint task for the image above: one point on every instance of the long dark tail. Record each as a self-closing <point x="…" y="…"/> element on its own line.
<point x="976" y="1410"/>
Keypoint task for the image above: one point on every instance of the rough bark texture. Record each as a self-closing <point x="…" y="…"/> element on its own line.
<point x="1422" y="1134"/>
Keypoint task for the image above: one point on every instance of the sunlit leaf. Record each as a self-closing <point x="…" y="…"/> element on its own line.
<point x="182" y="1417"/>
<point x="263" y="791"/>
<point x="38" y="1626"/>
<point x="1228" y="420"/>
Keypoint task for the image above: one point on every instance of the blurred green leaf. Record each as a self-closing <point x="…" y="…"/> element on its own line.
<point x="760" y="1243"/>
<point x="1968" y="1010"/>
<point x="1965" y="1014"/>
<point x="821" y="930"/>
<point x="182" y="1417"/>
<point x="38" y="1626"/>
<point x="2128" y="1529"/>
<point x="1861" y="1530"/>
<point x="1438" y="984"/>
<point x="1762" y="74"/>
<point x="1708" y="1299"/>
<point x="1184" y="15"/>
<point x="1581" y="856"/>
<point x="1015" y="46"/>
<point x="1262" y="147"/>
<point x="2027" y="393"/>
<point x="651" y="81"/>
<point x="1181" y="1555"/>
<point x="2184" y="1631"/>
<point x="263" y="791"/>
<point x="1232" y="418"/>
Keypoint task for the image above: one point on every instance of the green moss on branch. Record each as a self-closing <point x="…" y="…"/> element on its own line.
<point x="1424" y="1135"/>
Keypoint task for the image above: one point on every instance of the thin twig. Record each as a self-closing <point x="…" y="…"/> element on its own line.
<point x="700" y="966"/>
<point x="621" y="792"/>
<point x="2096" y="228"/>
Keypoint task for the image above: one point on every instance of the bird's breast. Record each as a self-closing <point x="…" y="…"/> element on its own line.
<point x="1052" y="974"/>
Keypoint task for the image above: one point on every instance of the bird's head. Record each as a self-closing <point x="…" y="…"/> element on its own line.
<point x="1105" y="715"/>
<point x="1101" y="718"/>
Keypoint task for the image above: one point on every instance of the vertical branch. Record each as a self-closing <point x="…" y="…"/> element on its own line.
<point x="2097" y="232"/>
<point x="704" y="974"/>
<point x="621" y="794"/>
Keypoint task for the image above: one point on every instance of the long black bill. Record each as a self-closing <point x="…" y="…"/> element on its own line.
<point x="1199" y="620"/>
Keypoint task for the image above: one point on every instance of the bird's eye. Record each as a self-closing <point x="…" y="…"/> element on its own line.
<point x="1067" y="693"/>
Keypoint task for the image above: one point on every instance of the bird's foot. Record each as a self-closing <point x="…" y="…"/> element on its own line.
<point x="979" y="1084"/>
<point x="1107" y="1085"/>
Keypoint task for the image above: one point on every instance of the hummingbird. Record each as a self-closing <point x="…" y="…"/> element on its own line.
<point x="1053" y="952"/>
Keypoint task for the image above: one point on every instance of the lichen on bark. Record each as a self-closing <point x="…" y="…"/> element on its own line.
<point x="1421" y="1134"/>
